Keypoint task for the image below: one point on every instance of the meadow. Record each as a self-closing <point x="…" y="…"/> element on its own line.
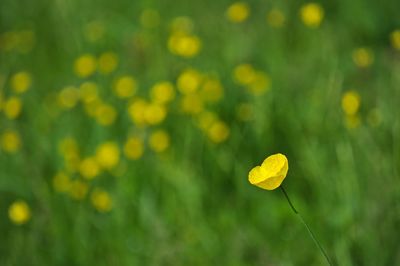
<point x="128" y="130"/>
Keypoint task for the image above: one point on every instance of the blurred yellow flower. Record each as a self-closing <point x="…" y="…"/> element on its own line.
<point x="206" y="119"/>
<point x="271" y="173"/>
<point x="159" y="141"/>
<point x="88" y="91"/>
<point x="275" y="18"/>
<point x="94" y="31"/>
<point x="85" y="65"/>
<point x="107" y="62"/>
<point x="352" y="121"/>
<point x="105" y="114"/>
<point x="68" y="97"/>
<point x="218" y="131"/>
<point x="212" y="90"/>
<point x="21" y="81"/>
<point x="61" y="182"/>
<point x="12" y="107"/>
<point x="182" y="24"/>
<point x="162" y="92"/>
<point x="101" y="200"/>
<point x="395" y="39"/>
<point x="137" y="110"/>
<point x="19" y="212"/>
<point x="192" y="104"/>
<point x="133" y="148"/>
<point x="107" y="155"/>
<point x="89" y="168"/>
<point x="238" y="12"/>
<point x="10" y="141"/>
<point x="189" y="81"/>
<point x="312" y="14"/>
<point x="19" y="41"/>
<point x="154" y="113"/>
<point x="363" y="57"/>
<point x="125" y="86"/>
<point x="260" y="83"/>
<point x="78" y="189"/>
<point x="150" y="18"/>
<point x="351" y="102"/>
<point x="244" y="74"/>
<point x="183" y="44"/>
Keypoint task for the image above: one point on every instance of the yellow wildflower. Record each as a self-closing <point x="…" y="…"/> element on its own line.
<point x="125" y="86"/>
<point x="159" y="141"/>
<point x="89" y="168"/>
<point x="154" y="113"/>
<point x="244" y="74"/>
<point x="107" y="155"/>
<point x="260" y="83"/>
<point x="94" y="31"/>
<point x="395" y="39"/>
<point x="88" y="91"/>
<point x="212" y="90"/>
<point x="133" y="148"/>
<point x="352" y="121"/>
<point x="68" y="97"/>
<point x="105" y="114"/>
<point x="218" y="132"/>
<point x="312" y="14"/>
<point x="350" y="102"/>
<point x="21" y="81"/>
<point x="183" y="44"/>
<point x="192" y="104"/>
<point x="363" y="57"/>
<point x="271" y="173"/>
<point x="10" y="141"/>
<point x="275" y="18"/>
<point x="12" y="107"/>
<point x="19" y="212"/>
<point x="238" y="12"/>
<point x="101" y="200"/>
<point x="78" y="189"/>
<point x="137" y="110"/>
<point x="206" y="119"/>
<point x="189" y="81"/>
<point x="85" y="65"/>
<point x="107" y="62"/>
<point x="162" y="92"/>
<point x="61" y="182"/>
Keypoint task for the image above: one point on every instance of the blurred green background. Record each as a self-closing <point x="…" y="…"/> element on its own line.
<point x="128" y="128"/>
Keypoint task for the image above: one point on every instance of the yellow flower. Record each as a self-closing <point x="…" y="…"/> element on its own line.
<point x="101" y="200"/>
<point x="218" y="132"/>
<point x="351" y="102"/>
<point x="312" y="14"/>
<point x="89" y="168"/>
<point x="88" y="92"/>
<point x="94" y="31"/>
<point x="244" y="74"/>
<point x="363" y="57"/>
<point x="154" y="113"/>
<point x="244" y="112"/>
<point x="352" y="121"/>
<point x="85" y="65"/>
<point x="260" y="83"/>
<point x="19" y="212"/>
<point x="183" y="44"/>
<point x="206" y="119"/>
<point x="192" y="104"/>
<point x="212" y="90"/>
<point x="159" y="141"/>
<point x="21" y="81"/>
<point x="78" y="189"/>
<point x="133" y="148"/>
<point x="162" y="92"/>
<point x="107" y="155"/>
<point x="238" y="12"/>
<point x="105" y="114"/>
<point x="12" y="107"/>
<point x="275" y="18"/>
<point x="61" y="182"/>
<point x="68" y="97"/>
<point x="125" y="86"/>
<point x="107" y="62"/>
<point x="189" y="81"/>
<point x="10" y="141"/>
<point x="137" y="110"/>
<point x="271" y="173"/>
<point x="395" y="39"/>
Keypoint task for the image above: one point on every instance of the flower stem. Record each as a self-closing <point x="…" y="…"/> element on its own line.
<point x="308" y="228"/>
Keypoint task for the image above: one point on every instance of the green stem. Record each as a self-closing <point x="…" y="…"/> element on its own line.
<point x="308" y="228"/>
